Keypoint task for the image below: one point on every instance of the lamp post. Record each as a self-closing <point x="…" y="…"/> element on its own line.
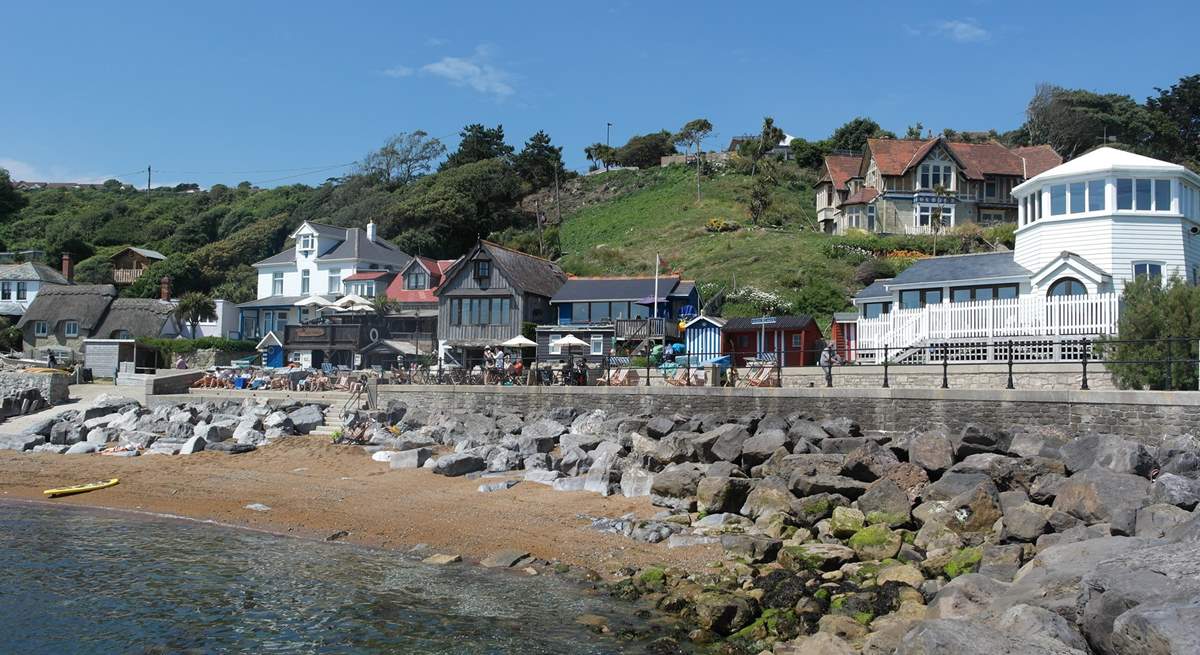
<point x="608" y="135"/>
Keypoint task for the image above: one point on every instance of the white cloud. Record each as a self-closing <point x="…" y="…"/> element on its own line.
<point x="475" y="72"/>
<point x="19" y="170"/>
<point x="963" y="31"/>
<point x="398" y="71"/>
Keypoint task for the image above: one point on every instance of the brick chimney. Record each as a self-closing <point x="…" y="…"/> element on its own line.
<point x="68" y="267"/>
<point x="164" y="288"/>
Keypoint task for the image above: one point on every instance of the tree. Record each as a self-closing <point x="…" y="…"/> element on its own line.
<point x="1180" y="106"/>
<point x="914" y="131"/>
<point x="809" y="154"/>
<point x="194" y="307"/>
<point x="770" y="137"/>
<point x="385" y="306"/>
<point x="11" y="200"/>
<point x="936" y="219"/>
<point x="478" y="143"/>
<point x="403" y="158"/>
<point x="692" y="135"/>
<point x="854" y="134"/>
<point x="646" y="150"/>
<point x="599" y="152"/>
<point x="1075" y="121"/>
<point x="760" y="198"/>
<point x="1159" y="322"/>
<point x="539" y="161"/>
<point x="94" y="270"/>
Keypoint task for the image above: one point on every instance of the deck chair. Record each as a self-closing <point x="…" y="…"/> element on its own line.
<point x="629" y="377"/>
<point x="677" y="377"/>
<point x="763" y="376"/>
<point x="699" y="378"/>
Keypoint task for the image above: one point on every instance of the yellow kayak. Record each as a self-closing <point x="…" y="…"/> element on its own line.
<point x="81" y="488"/>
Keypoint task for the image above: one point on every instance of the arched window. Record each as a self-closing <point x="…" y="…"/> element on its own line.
<point x="1068" y="286"/>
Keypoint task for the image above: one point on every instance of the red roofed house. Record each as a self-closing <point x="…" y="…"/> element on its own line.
<point x="412" y="328"/>
<point x="893" y="186"/>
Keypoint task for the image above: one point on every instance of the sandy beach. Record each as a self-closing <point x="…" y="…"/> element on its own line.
<point x="315" y="489"/>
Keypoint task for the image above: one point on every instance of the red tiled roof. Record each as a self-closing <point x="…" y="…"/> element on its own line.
<point x="840" y="168"/>
<point x="897" y="156"/>
<point x="1038" y="159"/>
<point x="366" y="275"/>
<point x="979" y="159"/>
<point x="437" y="269"/>
<point x="862" y="196"/>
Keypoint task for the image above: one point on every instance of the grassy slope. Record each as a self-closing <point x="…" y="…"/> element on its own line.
<point x="659" y="214"/>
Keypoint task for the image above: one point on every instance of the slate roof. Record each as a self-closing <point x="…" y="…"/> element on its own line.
<point x="874" y="290"/>
<point x="684" y="289"/>
<point x="583" y="289"/>
<point x="142" y="317"/>
<point x="526" y="273"/>
<point x="31" y="271"/>
<point x="357" y="246"/>
<point x="742" y="323"/>
<point x="148" y="253"/>
<point x="352" y="243"/>
<point x="85" y="303"/>
<point x="953" y="268"/>
<point x="840" y="168"/>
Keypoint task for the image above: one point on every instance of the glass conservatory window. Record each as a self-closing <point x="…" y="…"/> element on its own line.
<point x="1162" y="195"/>
<point x="1058" y="199"/>
<point x="1124" y="193"/>
<point x="1142" y="195"/>
<point x="1077" y="197"/>
<point x="1095" y="191"/>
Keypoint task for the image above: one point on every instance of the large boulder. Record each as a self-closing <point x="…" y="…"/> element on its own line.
<point x="590" y="423"/>
<point x="885" y="502"/>
<point x="659" y="427"/>
<point x="1175" y="490"/>
<point x="1155" y="521"/>
<point x="769" y="495"/>
<point x="931" y="451"/>
<point x="868" y="462"/>
<point x="965" y="596"/>
<point x="193" y="445"/>
<point x="976" y="510"/>
<point x="675" y="487"/>
<point x="1031" y="622"/>
<point x="730" y="438"/>
<point x="722" y="612"/>
<point x="948" y="636"/>
<point x="724" y="494"/>
<point x="1025" y="522"/>
<point x="952" y="484"/>
<point x="307" y="418"/>
<point x="604" y="476"/>
<point x="456" y="464"/>
<point x="1091" y="495"/>
<point x="841" y="428"/>
<point x="1158" y="628"/>
<point x="413" y="458"/>
<point x="1108" y="452"/>
<point x="762" y="445"/>
<point x="543" y="429"/>
<point x="974" y="439"/>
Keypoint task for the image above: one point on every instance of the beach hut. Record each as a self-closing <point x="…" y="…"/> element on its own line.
<point x="272" y="350"/>
<point x="703" y="337"/>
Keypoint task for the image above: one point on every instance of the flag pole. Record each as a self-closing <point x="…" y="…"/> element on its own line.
<point x="657" y="259"/>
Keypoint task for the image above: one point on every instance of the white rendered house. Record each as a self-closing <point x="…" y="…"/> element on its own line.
<point x="1085" y="229"/>
<point x="321" y="258"/>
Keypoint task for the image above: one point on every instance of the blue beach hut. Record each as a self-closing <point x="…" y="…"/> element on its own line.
<point x="703" y="338"/>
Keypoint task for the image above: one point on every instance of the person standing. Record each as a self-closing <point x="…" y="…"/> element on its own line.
<point x="829" y="357"/>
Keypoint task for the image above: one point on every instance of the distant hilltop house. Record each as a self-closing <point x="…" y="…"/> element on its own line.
<point x="782" y="150"/>
<point x="918" y="186"/>
<point x="1085" y="229"/>
<point x="129" y="264"/>
<point x="27" y="185"/>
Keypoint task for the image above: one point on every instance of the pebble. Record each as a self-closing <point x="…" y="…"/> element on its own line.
<point x="442" y="558"/>
<point x="258" y="507"/>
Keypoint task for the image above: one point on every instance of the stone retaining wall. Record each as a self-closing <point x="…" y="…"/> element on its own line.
<point x="54" y="387"/>
<point x="1146" y="416"/>
<point x="1064" y="376"/>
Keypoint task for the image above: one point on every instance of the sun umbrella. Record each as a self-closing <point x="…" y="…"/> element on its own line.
<point x="519" y="342"/>
<point x="312" y="300"/>
<point x="571" y="340"/>
<point x="351" y="299"/>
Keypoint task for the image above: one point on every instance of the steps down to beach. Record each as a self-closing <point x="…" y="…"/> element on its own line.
<point x="333" y="423"/>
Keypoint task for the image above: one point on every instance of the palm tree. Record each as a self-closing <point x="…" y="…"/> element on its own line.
<point x="385" y="306"/>
<point x="936" y="220"/>
<point x="194" y="307"/>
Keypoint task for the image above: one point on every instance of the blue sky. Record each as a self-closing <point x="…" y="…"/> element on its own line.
<point x="270" y="92"/>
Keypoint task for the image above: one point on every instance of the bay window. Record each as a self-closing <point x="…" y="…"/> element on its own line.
<point x="1095" y="195"/>
<point x="1144" y="194"/>
<point x="1058" y="199"/>
<point x="935" y="175"/>
<point x="1162" y="195"/>
<point x="928" y="214"/>
<point x="1077" y="197"/>
<point x="1124" y="193"/>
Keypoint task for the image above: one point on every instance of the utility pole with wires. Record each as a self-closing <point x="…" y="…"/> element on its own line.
<point x="147" y="180"/>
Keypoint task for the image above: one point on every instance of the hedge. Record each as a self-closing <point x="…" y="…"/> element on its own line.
<point x="184" y="346"/>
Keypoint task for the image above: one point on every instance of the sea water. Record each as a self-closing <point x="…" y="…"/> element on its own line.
<point x="91" y="581"/>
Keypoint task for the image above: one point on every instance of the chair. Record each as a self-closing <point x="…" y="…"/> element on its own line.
<point x="699" y="378"/>
<point x="763" y="376"/>
<point x="678" y="378"/>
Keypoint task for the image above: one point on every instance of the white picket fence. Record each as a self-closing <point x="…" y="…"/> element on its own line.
<point x="989" y="321"/>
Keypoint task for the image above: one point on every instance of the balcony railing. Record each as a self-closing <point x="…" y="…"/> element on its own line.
<point x="127" y="275"/>
<point x="643" y="328"/>
<point x="991" y="320"/>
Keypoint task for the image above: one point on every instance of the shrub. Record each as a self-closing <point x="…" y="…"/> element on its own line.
<point x="718" y="225"/>
<point x="184" y="346"/>
<point x="873" y="269"/>
<point x="1152" y="312"/>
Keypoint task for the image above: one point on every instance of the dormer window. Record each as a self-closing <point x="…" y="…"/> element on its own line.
<point x="416" y="280"/>
<point x="306" y="244"/>
<point x="937" y="171"/>
<point x="483" y="269"/>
